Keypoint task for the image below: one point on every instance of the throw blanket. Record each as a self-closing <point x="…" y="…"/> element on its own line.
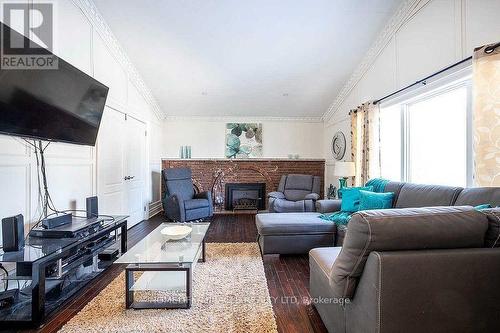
<point x="378" y="184"/>
<point x="338" y="217"/>
<point x="344" y="217"/>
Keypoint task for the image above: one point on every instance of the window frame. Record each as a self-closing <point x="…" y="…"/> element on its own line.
<point x="460" y="78"/>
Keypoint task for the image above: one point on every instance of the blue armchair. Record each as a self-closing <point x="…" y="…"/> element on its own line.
<point x="180" y="202"/>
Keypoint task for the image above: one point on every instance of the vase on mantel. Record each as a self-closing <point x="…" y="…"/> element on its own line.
<point x="185" y="152"/>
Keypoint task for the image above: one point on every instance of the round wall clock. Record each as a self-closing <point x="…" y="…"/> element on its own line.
<point x="338" y="145"/>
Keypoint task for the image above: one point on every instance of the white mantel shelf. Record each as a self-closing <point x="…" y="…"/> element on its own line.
<point x="246" y="159"/>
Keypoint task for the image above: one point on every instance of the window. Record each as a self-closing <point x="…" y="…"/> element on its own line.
<point x="425" y="138"/>
<point x="390" y="143"/>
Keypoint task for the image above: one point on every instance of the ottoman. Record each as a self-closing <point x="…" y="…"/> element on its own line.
<point x="293" y="233"/>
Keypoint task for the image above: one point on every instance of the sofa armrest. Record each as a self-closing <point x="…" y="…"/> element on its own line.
<point x="312" y="196"/>
<point x="393" y="278"/>
<point x="204" y="195"/>
<point x="328" y="206"/>
<point x="276" y="195"/>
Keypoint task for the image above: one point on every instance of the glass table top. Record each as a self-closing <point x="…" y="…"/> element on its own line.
<point x="157" y="248"/>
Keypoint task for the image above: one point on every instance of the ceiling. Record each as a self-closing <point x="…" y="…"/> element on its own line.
<point x="267" y="58"/>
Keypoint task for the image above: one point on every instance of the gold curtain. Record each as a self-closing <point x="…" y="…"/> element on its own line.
<point x="486" y="123"/>
<point x="365" y="142"/>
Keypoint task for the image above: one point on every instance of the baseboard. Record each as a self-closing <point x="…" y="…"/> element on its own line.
<point x="155" y="208"/>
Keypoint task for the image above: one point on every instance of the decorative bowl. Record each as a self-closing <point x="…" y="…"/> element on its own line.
<point x="176" y="232"/>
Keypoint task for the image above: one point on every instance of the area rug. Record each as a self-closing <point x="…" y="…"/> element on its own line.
<point x="229" y="295"/>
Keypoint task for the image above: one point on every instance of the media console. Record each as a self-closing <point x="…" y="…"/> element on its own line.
<point x="48" y="271"/>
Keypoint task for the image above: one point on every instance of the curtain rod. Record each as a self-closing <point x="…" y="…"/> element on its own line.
<point x="423" y="81"/>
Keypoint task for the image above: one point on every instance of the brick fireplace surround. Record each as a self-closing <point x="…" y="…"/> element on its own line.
<point x="213" y="174"/>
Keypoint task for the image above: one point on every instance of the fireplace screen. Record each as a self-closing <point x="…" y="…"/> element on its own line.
<point x="245" y="196"/>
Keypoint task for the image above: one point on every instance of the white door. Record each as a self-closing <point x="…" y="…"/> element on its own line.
<point x="120" y="166"/>
<point x="135" y="149"/>
<point x="110" y="162"/>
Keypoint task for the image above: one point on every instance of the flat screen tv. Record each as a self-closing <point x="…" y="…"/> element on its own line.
<point x="62" y="104"/>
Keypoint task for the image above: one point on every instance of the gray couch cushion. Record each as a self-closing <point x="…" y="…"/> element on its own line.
<point x="394" y="187"/>
<point x="320" y="263"/>
<point x="285" y="206"/>
<point x="298" y="186"/>
<point x="292" y="224"/>
<point x="196" y="203"/>
<point x="299" y="182"/>
<point x="403" y="229"/>
<point x="178" y="181"/>
<point x="416" y="195"/>
<point x="197" y="213"/>
<point x="324" y="257"/>
<point x="328" y="205"/>
<point x="177" y="173"/>
<point x="296" y="195"/>
<point x="475" y="196"/>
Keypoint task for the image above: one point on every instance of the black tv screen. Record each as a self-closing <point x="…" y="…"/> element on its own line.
<point x="62" y="104"/>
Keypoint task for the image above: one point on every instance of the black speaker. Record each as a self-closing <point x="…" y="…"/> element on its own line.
<point x="92" y="209"/>
<point x="13" y="233"/>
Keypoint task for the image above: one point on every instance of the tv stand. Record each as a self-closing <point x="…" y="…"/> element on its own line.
<point x="49" y="271"/>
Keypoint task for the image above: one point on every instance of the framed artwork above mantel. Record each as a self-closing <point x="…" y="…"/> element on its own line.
<point x="243" y="140"/>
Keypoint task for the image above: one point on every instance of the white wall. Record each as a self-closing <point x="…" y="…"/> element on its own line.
<point x="207" y="137"/>
<point x="72" y="169"/>
<point x="439" y="34"/>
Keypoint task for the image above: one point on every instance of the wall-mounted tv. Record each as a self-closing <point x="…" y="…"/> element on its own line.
<point x="62" y="104"/>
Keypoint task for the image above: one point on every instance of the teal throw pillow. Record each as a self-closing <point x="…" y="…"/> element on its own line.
<point x="372" y="200"/>
<point x="350" y="198"/>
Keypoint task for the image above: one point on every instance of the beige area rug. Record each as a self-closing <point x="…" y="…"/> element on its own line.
<point x="229" y="295"/>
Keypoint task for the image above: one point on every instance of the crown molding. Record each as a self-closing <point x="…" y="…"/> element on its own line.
<point x="252" y="119"/>
<point x="95" y="18"/>
<point x="405" y="11"/>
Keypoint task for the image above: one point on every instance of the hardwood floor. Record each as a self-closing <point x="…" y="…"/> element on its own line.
<point x="287" y="277"/>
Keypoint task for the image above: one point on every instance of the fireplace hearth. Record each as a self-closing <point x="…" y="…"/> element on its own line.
<point x="245" y="196"/>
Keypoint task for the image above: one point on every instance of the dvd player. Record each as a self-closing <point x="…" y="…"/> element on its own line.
<point x="78" y="228"/>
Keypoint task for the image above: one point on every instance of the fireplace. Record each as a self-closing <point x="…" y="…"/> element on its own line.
<point x="212" y="174"/>
<point x="243" y="196"/>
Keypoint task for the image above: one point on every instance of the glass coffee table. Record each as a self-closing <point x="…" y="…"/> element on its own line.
<point x="158" y="264"/>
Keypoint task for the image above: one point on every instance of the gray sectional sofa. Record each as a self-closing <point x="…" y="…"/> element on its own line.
<point x="411" y="270"/>
<point x="430" y="264"/>
<point x="296" y="233"/>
